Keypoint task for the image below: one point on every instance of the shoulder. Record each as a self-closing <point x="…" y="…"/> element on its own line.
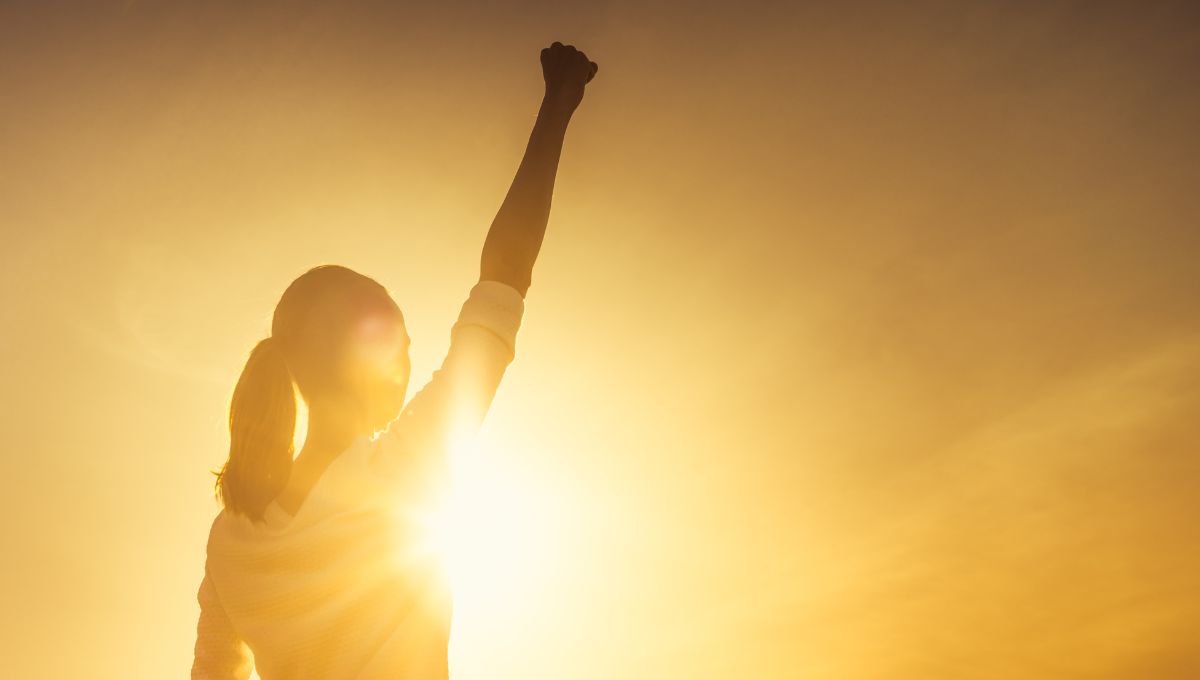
<point x="221" y="526"/>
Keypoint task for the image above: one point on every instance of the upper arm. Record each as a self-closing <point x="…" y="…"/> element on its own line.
<point x="219" y="652"/>
<point x="449" y="410"/>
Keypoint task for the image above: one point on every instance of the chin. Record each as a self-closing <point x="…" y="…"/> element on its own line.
<point x="387" y="412"/>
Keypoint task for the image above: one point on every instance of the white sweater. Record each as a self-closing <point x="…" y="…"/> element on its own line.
<point x="348" y="588"/>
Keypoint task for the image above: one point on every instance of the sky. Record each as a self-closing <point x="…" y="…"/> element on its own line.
<point x="864" y="343"/>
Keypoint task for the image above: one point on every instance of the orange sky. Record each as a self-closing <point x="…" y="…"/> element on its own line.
<point x="863" y="345"/>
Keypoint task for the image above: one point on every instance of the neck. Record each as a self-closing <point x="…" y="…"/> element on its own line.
<point x="331" y="430"/>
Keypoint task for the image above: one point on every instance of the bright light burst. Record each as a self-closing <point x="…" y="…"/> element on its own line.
<point x="491" y="530"/>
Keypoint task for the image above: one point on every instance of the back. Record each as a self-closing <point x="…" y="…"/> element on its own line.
<point x="345" y="589"/>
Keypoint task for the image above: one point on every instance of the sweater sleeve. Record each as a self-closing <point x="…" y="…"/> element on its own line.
<point x="448" y="411"/>
<point x="219" y="653"/>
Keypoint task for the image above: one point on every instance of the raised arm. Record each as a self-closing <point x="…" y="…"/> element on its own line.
<point x="448" y="411"/>
<point x="515" y="238"/>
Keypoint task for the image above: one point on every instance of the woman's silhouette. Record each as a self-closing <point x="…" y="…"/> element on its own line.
<point x="315" y="565"/>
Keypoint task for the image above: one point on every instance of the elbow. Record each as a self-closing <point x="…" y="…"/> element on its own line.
<point x="519" y="276"/>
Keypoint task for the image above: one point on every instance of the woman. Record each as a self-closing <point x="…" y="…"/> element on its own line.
<point x="316" y="566"/>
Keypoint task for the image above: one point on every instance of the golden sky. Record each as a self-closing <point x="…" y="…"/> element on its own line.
<point x="864" y="343"/>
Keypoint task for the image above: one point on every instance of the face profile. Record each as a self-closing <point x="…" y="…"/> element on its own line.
<point x="378" y="366"/>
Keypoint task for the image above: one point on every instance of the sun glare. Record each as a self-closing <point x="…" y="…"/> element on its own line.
<point x="491" y="529"/>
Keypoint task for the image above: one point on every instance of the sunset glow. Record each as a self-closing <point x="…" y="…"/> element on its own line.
<point x="863" y="344"/>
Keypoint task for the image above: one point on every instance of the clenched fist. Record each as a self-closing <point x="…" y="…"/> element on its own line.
<point x="567" y="71"/>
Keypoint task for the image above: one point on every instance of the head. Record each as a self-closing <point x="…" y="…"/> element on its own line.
<point x="338" y="339"/>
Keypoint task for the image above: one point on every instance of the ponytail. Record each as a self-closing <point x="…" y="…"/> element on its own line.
<point x="262" y="426"/>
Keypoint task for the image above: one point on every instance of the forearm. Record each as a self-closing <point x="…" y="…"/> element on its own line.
<point x="219" y="653"/>
<point x="516" y="234"/>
